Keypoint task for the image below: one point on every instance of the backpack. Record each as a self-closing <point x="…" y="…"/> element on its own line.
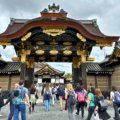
<point x="71" y="99"/>
<point x="103" y="105"/>
<point x="81" y="97"/>
<point x="53" y="91"/>
<point x="117" y="98"/>
<point x="61" y="91"/>
<point x="17" y="100"/>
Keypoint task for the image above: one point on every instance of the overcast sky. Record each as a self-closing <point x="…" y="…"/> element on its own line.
<point x="107" y="13"/>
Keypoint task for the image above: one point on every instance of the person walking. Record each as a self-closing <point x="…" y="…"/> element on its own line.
<point x="21" y="97"/>
<point x="9" y="100"/>
<point x="102" y="110"/>
<point x="71" y="101"/>
<point x="61" y="93"/>
<point x="47" y="97"/>
<point x="80" y="101"/>
<point x="54" y="90"/>
<point x="1" y="100"/>
<point x="32" y="98"/>
<point x="91" y="103"/>
<point x="113" y="97"/>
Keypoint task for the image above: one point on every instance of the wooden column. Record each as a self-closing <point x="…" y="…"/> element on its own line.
<point x="10" y="81"/>
<point x="84" y="74"/>
<point x="109" y="83"/>
<point x="30" y="73"/>
<point x="96" y="82"/>
<point x="23" y="71"/>
<point x="76" y="70"/>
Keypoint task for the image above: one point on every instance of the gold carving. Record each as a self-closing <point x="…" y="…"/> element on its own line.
<point x="67" y="43"/>
<point x="53" y="31"/>
<point x="79" y="36"/>
<point x="40" y="52"/>
<point x="53" y="52"/>
<point x="4" y="43"/>
<point x="76" y="62"/>
<point x="42" y="58"/>
<point x="90" y="59"/>
<point x="40" y="43"/>
<point x="15" y="58"/>
<point x="67" y="52"/>
<point x="64" y="58"/>
<point x="24" y="38"/>
<point x="53" y="42"/>
<point x="104" y="43"/>
<point x="53" y="58"/>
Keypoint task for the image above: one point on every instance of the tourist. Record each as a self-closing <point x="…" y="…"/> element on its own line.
<point x="1" y="100"/>
<point x="90" y="102"/>
<point x="71" y="101"/>
<point x="11" y="96"/>
<point x="21" y="107"/>
<point x="102" y="110"/>
<point x="61" y="93"/>
<point x="32" y="97"/>
<point x="54" y="90"/>
<point x="80" y="101"/>
<point x="115" y="104"/>
<point x="47" y="97"/>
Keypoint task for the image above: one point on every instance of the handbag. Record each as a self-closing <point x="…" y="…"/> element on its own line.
<point x="95" y="116"/>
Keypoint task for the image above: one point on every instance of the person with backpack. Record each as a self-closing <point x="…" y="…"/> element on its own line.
<point x="1" y="102"/>
<point x="101" y="105"/>
<point x="47" y="97"/>
<point x="19" y="101"/>
<point x="115" y="99"/>
<point x="61" y="93"/>
<point x="80" y="101"/>
<point x="91" y="103"/>
<point x="9" y="100"/>
<point x="71" y="101"/>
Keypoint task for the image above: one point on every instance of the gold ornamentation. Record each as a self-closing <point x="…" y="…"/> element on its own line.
<point x="76" y="62"/>
<point x="15" y="58"/>
<point x="104" y="44"/>
<point x="67" y="43"/>
<point x="79" y="36"/>
<point x="53" y="52"/>
<point x="40" y="43"/>
<point x="40" y="52"/>
<point x="53" y="42"/>
<point x="67" y="52"/>
<point x="53" y="58"/>
<point x="5" y="43"/>
<point x="53" y="31"/>
<point x="24" y="38"/>
<point x="64" y="58"/>
<point x="90" y="59"/>
<point x="42" y="58"/>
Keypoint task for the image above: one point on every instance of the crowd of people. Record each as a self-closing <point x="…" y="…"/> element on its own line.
<point x="70" y="98"/>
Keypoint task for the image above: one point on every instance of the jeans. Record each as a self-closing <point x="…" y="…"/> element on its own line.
<point x="90" y="112"/>
<point x="117" y="116"/>
<point x="61" y="102"/>
<point x="80" y="106"/>
<point x="53" y="99"/>
<point x="11" y="112"/>
<point x="71" y="115"/>
<point x="20" y="108"/>
<point x="47" y="105"/>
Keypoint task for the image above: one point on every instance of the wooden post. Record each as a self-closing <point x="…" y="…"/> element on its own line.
<point x="10" y="80"/>
<point x="109" y="83"/>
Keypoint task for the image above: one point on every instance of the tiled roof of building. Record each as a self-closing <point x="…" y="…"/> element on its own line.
<point x="12" y="67"/>
<point x="97" y="68"/>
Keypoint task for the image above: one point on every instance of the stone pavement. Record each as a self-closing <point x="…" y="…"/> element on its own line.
<point x="53" y="114"/>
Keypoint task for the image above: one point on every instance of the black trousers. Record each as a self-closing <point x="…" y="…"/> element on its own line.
<point x="90" y="112"/>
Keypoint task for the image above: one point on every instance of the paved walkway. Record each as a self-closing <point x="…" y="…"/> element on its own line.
<point x="53" y="114"/>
